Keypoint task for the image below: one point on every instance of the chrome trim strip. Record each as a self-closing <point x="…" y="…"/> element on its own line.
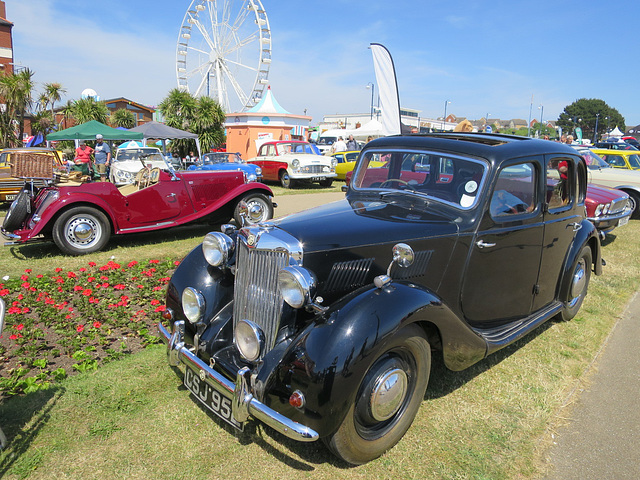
<point x="244" y="403"/>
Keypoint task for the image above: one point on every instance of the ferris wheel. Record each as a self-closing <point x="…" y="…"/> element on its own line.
<point x="224" y="52"/>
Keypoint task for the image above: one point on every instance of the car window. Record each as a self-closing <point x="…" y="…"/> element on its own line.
<point x="339" y="158"/>
<point x="614" y="160"/>
<point x="453" y="180"/>
<point x="3" y="159"/>
<point x="560" y="177"/>
<point x="634" y="161"/>
<point x="515" y="191"/>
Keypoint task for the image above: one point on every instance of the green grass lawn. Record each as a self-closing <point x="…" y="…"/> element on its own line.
<point x="133" y="418"/>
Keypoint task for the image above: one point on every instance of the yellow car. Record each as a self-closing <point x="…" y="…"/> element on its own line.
<point x="626" y="159"/>
<point x="347" y="162"/>
<point x="10" y="186"/>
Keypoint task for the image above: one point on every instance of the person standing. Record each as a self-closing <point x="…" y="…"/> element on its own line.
<point x="339" y="146"/>
<point x="352" y="144"/>
<point x="82" y="159"/>
<point x="102" y="155"/>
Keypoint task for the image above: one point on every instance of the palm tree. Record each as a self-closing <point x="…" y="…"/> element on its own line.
<point x="16" y="92"/>
<point x="87" y="109"/>
<point x="122" y="118"/>
<point x="203" y="116"/>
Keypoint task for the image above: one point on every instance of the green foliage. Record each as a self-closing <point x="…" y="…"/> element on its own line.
<point x="122" y="118"/>
<point x="16" y="92"/>
<point x="202" y="116"/>
<point x="87" y="109"/>
<point x="584" y="112"/>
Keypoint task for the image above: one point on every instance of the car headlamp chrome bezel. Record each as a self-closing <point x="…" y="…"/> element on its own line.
<point x="217" y="248"/>
<point x="193" y="304"/>
<point x="249" y="339"/>
<point x="296" y="285"/>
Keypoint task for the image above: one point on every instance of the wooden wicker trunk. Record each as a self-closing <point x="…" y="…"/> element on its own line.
<point x="32" y="165"/>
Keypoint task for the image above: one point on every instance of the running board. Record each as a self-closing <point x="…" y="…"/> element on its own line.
<point x="503" y="335"/>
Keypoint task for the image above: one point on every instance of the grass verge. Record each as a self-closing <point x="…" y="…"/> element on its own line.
<point x="134" y="419"/>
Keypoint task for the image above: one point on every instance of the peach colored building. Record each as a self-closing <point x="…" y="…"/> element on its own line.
<point x="246" y="131"/>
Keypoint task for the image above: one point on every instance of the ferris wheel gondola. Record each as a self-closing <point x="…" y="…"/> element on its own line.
<point x="224" y="51"/>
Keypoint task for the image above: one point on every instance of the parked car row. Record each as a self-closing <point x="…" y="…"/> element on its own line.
<point x="323" y="324"/>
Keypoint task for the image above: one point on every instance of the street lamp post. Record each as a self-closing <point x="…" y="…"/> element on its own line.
<point x="595" y="132"/>
<point x="541" y="107"/>
<point x="372" y="87"/>
<point x="486" y="122"/>
<point x="444" y="119"/>
<point x="607" y="119"/>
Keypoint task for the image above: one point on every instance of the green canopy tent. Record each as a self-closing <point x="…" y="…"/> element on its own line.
<point x="89" y="130"/>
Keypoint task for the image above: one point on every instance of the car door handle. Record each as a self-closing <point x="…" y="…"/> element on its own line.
<point x="483" y="244"/>
<point x="575" y="226"/>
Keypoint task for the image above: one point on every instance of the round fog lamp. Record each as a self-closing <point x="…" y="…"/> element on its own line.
<point x="249" y="339"/>
<point x="192" y="304"/>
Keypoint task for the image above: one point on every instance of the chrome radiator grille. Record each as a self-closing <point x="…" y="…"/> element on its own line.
<point x="618" y="205"/>
<point x="256" y="289"/>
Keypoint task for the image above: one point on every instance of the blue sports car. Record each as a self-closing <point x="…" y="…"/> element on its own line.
<point x="228" y="161"/>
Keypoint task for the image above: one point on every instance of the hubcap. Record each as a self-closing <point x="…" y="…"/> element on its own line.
<point x="579" y="281"/>
<point x="256" y="212"/>
<point x="388" y="394"/>
<point x="82" y="232"/>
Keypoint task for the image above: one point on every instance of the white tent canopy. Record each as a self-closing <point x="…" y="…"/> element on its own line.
<point x="373" y="128"/>
<point x="615" y="132"/>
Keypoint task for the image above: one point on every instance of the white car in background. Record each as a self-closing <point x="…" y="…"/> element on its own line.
<point x="128" y="161"/>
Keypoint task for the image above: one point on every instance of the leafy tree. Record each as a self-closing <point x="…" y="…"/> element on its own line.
<point x="202" y="116"/>
<point x="16" y="93"/>
<point x="87" y="109"/>
<point x="122" y="118"/>
<point x="584" y="112"/>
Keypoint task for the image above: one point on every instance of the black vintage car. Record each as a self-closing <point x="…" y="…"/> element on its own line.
<point x="322" y="324"/>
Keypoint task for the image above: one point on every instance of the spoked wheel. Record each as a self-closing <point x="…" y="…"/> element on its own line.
<point x="81" y="230"/>
<point x="387" y="401"/>
<point x="256" y="208"/>
<point x="580" y="275"/>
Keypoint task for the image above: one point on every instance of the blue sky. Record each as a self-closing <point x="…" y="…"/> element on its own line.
<point x="484" y="57"/>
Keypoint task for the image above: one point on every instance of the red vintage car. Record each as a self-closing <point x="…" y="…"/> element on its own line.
<point x="80" y="217"/>
<point x="607" y="208"/>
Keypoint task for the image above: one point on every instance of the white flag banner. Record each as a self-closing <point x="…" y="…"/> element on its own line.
<point x="387" y="89"/>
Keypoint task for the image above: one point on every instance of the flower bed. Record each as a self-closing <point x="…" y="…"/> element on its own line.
<point x="70" y="322"/>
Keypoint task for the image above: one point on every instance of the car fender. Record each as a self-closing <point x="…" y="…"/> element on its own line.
<point x="64" y="202"/>
<point x="587" y="235"/>
<point x="332" y="355"/>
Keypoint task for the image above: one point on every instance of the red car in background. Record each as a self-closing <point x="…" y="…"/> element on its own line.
<point x="607" y="208"/>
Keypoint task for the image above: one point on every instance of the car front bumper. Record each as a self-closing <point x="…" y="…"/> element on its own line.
<point x="244" y="404"/>
<point x="609" y="222"/>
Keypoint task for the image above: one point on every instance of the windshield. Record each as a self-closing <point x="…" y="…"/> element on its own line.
<point x="454" y="180"/>
<point x="221" y="157"/>
<point x="326" y="140"/>
<point x="593" y="161"/>
<point x="145" y="154"/>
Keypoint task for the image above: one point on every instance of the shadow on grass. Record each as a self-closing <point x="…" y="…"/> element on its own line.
<point x="444" y="381"/>
<point x="15" y="414"/>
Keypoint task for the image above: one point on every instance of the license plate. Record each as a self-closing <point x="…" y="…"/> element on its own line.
<point x="10" y="197"/>
<point x="317" y="179"/>
<point x="210" y="397"/>
<point x="623" y="221"/>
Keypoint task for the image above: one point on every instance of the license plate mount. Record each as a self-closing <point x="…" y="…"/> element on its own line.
<point x="210" y="398"/>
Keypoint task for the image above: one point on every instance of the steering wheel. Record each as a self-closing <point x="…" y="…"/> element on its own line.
<point x="154" y="176"/>
<point x="391" y="180"/>
<point x="142" y="178"/>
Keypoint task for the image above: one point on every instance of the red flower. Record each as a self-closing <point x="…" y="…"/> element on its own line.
<point x="155" y="302"/>
<point x="160" y="308"/>
<point x="79" y="328"/>
<point x="27" y="270"/>
<point x="92" y="264"/>
<point x="97" y="324"/>
<point x="13" y="337"/>
<point x="87" y="292"/>
<point x="176" y="263"/>
<point x="58" y="270"/>
<point x="20" y="327"/>
<point x="4" y="292"/>
<point x="39" y="275"/>
<point x="77" y="288"/>
<point x="154" y="261"/>
<point x="71" y="275"/>
<point x="24" y="278"/>
<point x="82" y="269"/>
<point x="132" y="264"/>
<point x="119" y="286"/>
<point x="26" y="285"/>
<point x="155" y="289"/>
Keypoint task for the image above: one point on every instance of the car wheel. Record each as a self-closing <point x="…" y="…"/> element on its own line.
<point x="285" y="179"/>
<point x="81" y="230"/>
<point x="259" y="209"/>
<point x="18" y="211"/>
<point x="326" y="182"/>
<point x="388" y="399"/>
<point x="634" y="199"/>
<point x="579" y="283"/>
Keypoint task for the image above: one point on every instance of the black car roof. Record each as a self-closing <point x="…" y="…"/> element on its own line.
<point x="493" y="147"/>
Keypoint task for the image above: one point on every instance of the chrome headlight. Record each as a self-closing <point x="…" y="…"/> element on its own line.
<point x="606" y="209"/>
<point x="192" y="304"/>
<point x="217" y="248"/>
<point x="258" y="171"/>
<point x="334" y="162"/>
<point x="249" y="339"/>
<point x="252" y="178"/>
<point x="297" y="286"/>
<point x="598" y="211"/>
